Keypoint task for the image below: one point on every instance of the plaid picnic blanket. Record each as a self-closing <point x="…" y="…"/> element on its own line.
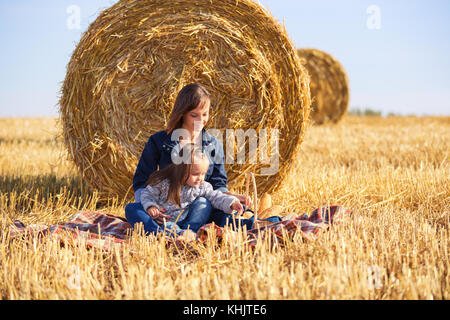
<point x="105" y="231"/>
<point x="93" y="229"/>
<point x="306" y="226"/>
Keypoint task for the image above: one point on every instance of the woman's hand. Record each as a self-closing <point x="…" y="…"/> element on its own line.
<point x="237" y="206"/>
<point x="158" y="215"/>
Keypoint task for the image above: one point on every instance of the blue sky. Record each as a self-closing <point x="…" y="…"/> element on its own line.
<point x="396" y="57"/>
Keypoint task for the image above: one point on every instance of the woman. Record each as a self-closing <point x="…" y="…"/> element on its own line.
<point x="186" y="125"/>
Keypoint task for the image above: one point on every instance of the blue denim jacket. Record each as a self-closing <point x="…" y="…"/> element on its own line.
<point x="157" y="155"/>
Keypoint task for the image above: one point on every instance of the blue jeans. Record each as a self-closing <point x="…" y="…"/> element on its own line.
<point x="195" y="218"/>
<point x="198" y="215"/>
<point x="222" y="219"/>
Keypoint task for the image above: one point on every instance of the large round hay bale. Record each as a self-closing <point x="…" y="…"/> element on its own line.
<point x="329" y="85"/>
<point x="128" y="67"/>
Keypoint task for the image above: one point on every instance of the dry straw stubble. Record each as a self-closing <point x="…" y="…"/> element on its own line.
<point x="125" y="73"/>
<point x="394" y="171"/>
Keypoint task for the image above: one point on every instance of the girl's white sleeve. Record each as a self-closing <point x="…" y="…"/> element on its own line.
<point x="150" y="196"/>
<point x="217" y="198"/>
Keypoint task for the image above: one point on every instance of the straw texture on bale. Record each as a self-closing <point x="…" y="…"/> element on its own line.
<point x="125" y="73"/>
<point x="329" y="85"/>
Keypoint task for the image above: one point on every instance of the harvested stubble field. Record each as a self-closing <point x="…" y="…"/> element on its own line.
<point x="394" y="172"/>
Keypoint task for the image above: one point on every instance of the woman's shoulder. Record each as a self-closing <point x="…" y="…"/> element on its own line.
<point x="208" y="135"/>
<point x="158" y="138"/>
<point x="159" y="135"/>
<point x="210" y="139"/>
<point x="214" y="147"/>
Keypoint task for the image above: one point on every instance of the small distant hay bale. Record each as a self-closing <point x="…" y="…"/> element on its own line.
<point x="128" y="67"/>
<point x="329" y="86"/>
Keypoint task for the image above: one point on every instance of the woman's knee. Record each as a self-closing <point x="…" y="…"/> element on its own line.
<point x="130" y="208"/>
<point x="131" y="211"/>
<point x="135" y="214"/>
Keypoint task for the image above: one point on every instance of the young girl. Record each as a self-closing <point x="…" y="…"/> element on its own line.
<point x="170" y="192"/>
<point x="190" y="112"/>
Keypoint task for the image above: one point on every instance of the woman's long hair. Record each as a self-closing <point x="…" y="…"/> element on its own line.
<point x="177" y="174"/>
<point x="190" y="97"/>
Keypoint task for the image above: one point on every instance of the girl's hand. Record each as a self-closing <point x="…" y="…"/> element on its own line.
<point x="157" y="215"/>
<point x="244" y="200"/>
<point x="237" y="206"/>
